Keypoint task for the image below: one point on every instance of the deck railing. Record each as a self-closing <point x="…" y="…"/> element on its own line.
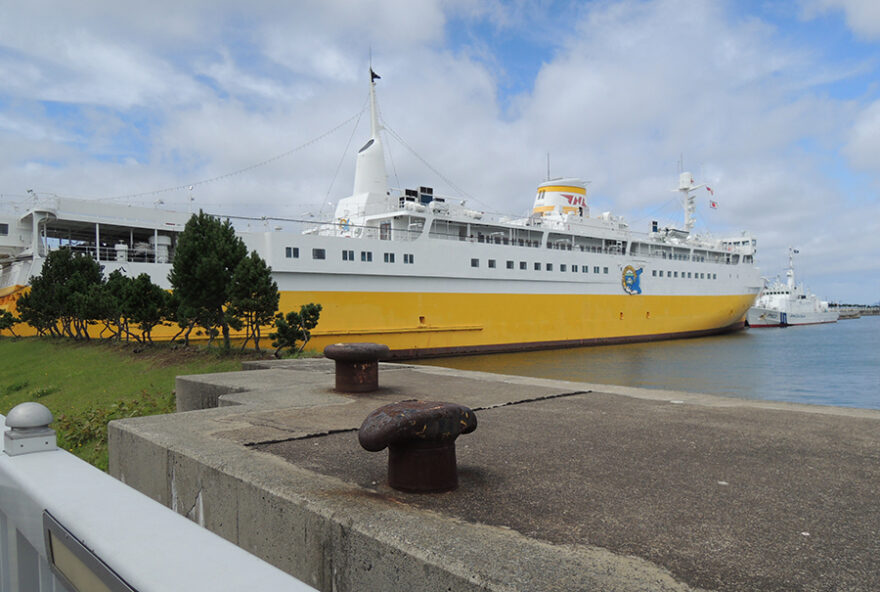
<point x="65" y="526"/>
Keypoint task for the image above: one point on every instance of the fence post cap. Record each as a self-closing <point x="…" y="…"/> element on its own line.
<point x="29" y="415"/>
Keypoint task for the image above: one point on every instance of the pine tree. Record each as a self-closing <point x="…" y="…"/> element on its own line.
<point x="145" y="304"/>
<point x="63" y="295"/>
<point x="295" y="326"/>
<point x="8" y="322"/>
<point x="253" y="296"/>
<point x="115" y="291"/>
<point x="207" y="253"/>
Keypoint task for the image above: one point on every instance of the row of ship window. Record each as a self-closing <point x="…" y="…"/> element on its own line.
<point x="347" y="255"/>
<point x="409" y="258"/>
<point x="689" y="275"/>
<point x="596" y="269"/>
<point x="546" y="266"/>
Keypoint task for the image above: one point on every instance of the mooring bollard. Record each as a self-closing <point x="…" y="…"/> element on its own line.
<point x="357" y="365"/>
<point x="420" y="436"/>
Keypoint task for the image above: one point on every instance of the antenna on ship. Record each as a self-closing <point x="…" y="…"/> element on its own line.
<point x="790" y="272"/>
<point x="686" y="187"/>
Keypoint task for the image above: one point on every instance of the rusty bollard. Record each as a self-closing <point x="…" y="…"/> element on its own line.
<point x="357" y="365"/>
<point x="420" y="436"/>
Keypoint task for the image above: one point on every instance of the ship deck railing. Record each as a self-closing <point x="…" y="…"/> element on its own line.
<point x="110" y="254"/>
<point x="526" y="236"/>
<point x="370" y="231"/>
<point x="102" y="529"/>
<point x="107" y="254"/>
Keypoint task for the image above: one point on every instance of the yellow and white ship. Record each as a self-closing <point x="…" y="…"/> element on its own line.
<point x="428" y="276"/>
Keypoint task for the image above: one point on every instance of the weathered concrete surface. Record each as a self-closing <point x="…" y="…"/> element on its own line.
<point x="204" y="391"/>
<point x="564" y="486"/>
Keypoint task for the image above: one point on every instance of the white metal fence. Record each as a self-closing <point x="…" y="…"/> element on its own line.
<point x="68" y="527"/>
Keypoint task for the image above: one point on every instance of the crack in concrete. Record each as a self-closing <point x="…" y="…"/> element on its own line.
<point x="532" y="400"/>
<point x="345" y="430"/>
<point x="196" y="512"/>
<point x="303" y="437"/>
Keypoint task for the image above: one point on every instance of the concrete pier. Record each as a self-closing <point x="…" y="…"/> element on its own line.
<point x="563" y="486"/>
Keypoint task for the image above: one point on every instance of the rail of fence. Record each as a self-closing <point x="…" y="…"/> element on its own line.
<point x="66" y="526"/>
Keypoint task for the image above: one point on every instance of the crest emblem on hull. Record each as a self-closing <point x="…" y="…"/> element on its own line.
<point x="631" y="280"/>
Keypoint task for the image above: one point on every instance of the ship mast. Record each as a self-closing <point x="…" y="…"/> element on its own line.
<point x="686" y="187"/>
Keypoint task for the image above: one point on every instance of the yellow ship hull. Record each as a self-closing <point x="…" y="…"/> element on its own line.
<point x="432" y="324"/>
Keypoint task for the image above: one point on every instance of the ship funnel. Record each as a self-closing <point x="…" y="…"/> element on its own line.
<point x="369" y="173"/>
<point x="560" y="197"/>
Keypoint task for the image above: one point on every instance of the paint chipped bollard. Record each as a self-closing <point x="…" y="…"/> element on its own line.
<point x="420" y="436"/>
<point x="29" y="429"/>
<point x="357" y="365"/>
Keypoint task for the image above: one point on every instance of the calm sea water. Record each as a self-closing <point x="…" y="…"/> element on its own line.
<point x="835" y="364"/>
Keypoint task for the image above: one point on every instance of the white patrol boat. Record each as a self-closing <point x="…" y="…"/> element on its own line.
<point x="783" y="304"/>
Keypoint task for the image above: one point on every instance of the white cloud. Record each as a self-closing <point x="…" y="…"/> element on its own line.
<point x="233" y="80"/>
<point x="863" y="146"/>
<point x="55" y="60"/>
<point x="631" y="93"/>
<point x="862" y="16"/>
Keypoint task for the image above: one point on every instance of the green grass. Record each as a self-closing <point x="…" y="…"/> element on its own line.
<point x="85" y="385"/>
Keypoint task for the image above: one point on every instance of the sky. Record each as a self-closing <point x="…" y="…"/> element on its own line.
<point x="257" y="108"/>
